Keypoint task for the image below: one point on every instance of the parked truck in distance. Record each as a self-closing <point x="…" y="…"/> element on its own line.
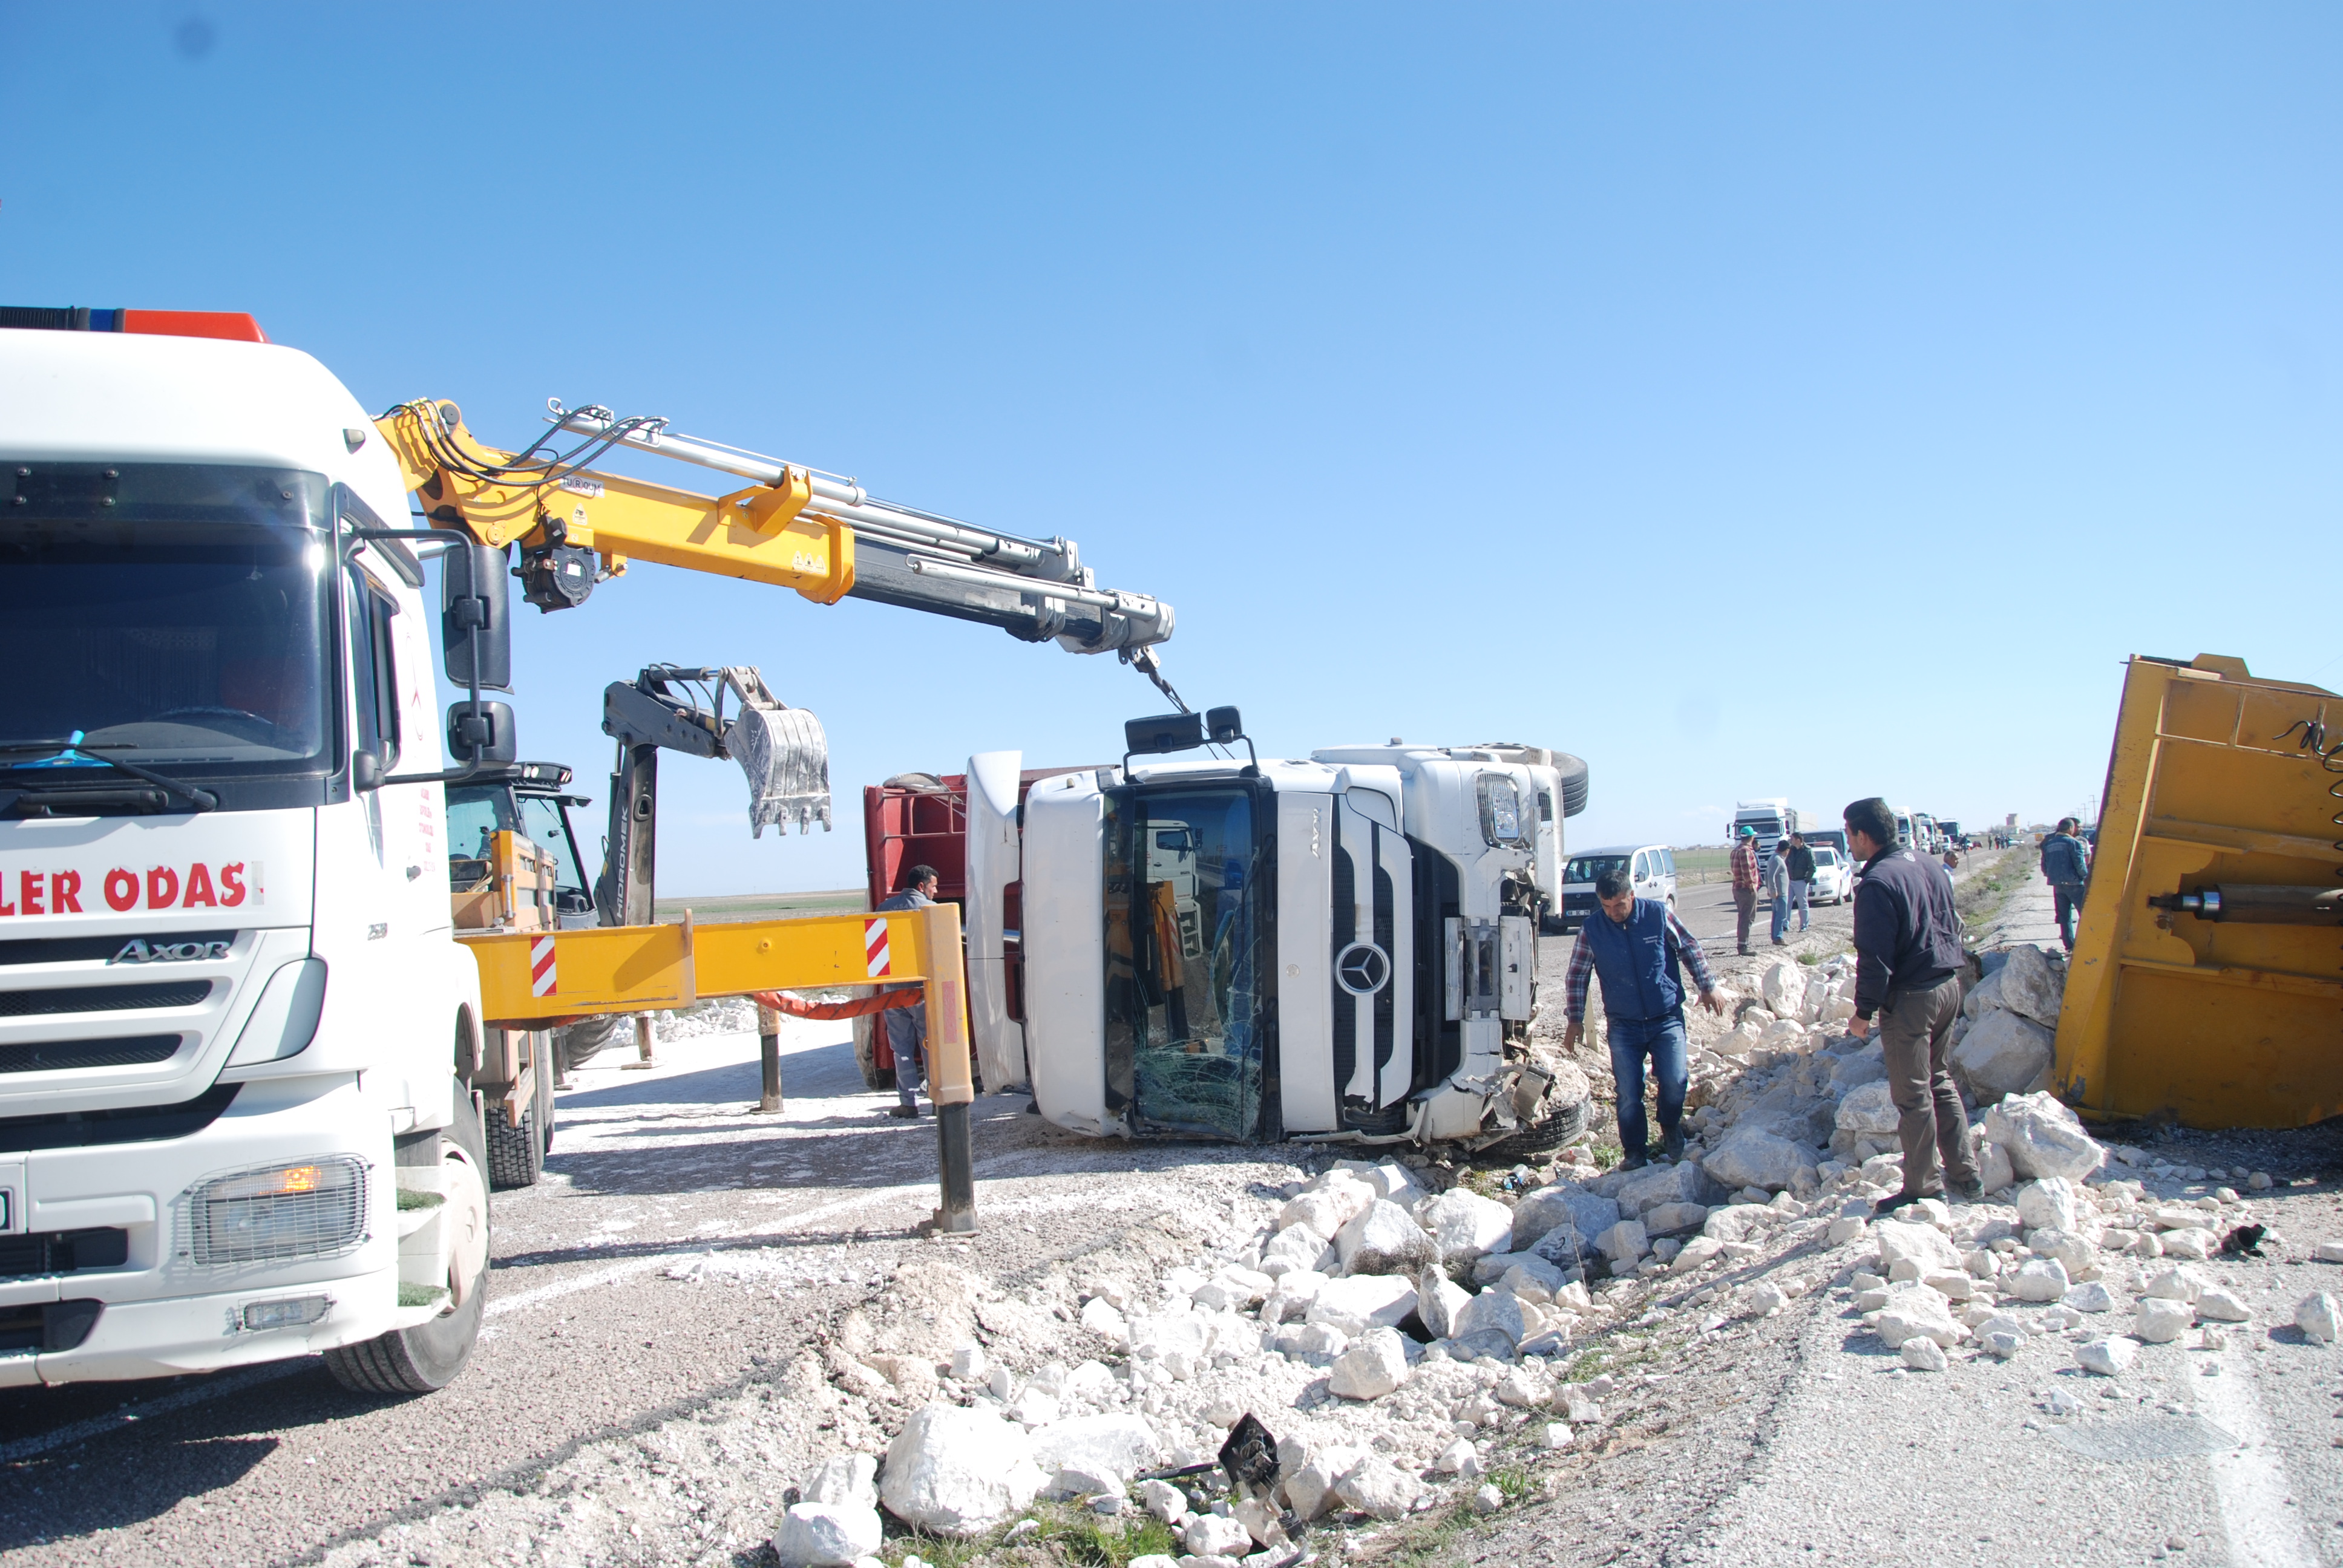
<point x="1773" y="819"/>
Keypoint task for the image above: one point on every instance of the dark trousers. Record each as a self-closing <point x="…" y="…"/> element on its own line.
<point x="1915" y="1033"/>
<point x="2068" y="898"/>
<point x="1744" y="910"/>
<point x="1662" y="1039"/>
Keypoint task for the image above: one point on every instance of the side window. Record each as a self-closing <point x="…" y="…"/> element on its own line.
<point x="374" y="675"/>
<point x="1667" y="862"/>
<point x="1643" y="868"/>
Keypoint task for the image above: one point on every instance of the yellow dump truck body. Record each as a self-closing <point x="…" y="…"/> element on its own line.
<point x="2211" y="1022"/>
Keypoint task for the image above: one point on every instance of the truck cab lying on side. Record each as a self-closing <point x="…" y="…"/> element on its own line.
<point x="1344" y="945"/>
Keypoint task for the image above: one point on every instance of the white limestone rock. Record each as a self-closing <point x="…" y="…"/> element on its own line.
<point x="2072" y="1252"/>
<point x="1233" y="1288"/>
<point x="1754" y="1156"/>
<point x="1374" y="1364"/>
<point x="1524" y="1388"/>
<point x="1358" y="1303"/>
<point x="1376" y="1487"/>
<point x="1488" y="1499"/>
<point x="2160" y="1321"/>
<point x="1869" y="1110"/>
<point x="1625" y="1242"/>
<point x="1994" y="1172"/>
<point x="2219" y="1304"/>
<point x="1165" y="1501"/>
<point x="2048" y="1205"/>
<point x="2315" y="1316"/>
<point x="1495" y="1312"/>
<point x="959" y="1471"/>
<point x="1100" y="1317"/>
<point x="1563" y="1204"/>
<point x="1380" y="1238"/>
<point x="1297" y="1247"/>
<point x="1313" y="1344"/>
<point x="1924" y="1354"/>
<point x="849" y="1479"/>
<point x="2002" y="1053"/>
<point x="828" y="1535"/>
<point x="1438" y="1301"/>
<point x="1465" y="1225"/>
<point x="1918" y="1312"/>
<point x="1327" y="1204"/>
<point x="1554" y="1436"/>
<point x="2195" y="1243"/>
<point x="2043" y="1137"/>
<point x="2032" y="986"/>
<point x="1310" y="1485"/>
<point x="1668" y="1219"/>
<point x="2177" y="1282"/>
<point x="1655" y="1185"/>
<point x="2107" y="1357"/>
<point x="1923" y="1247"/>
<point x="1216" y="1535"/>
<point x="1072" y="1482"/>
<point x="2090" y="1297"/>
<point x="1117" y="1443"/>
<point x="1784" y="987"/>
<point x="1291" y="1297"/>
<point x="2039" y="1280"/>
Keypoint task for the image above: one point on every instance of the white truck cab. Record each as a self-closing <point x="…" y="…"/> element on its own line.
<point x="231" y="1128"/>
<point x="1341" y="945"/>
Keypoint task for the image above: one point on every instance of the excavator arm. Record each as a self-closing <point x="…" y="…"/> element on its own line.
<point x="818" y="534"/>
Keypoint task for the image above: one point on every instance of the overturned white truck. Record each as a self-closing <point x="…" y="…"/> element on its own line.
<point x="1344" y="947"/>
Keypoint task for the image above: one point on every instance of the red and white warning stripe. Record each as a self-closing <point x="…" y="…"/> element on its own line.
<point x="540" y="966"/>
<point x="875" y="955"/>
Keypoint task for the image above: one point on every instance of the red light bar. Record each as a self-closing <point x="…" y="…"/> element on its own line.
<point x="234" y="325"/>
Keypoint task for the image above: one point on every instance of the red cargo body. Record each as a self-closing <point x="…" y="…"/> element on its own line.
<point x="906" y="825"/>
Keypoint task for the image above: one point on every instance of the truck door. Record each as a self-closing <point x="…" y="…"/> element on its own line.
<point x="1372" y="948"/>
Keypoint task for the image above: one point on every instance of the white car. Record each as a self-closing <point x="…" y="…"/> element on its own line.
<point x="1833" y="878"/>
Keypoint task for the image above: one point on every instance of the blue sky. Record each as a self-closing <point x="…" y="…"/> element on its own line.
<point x="1816" y="401"/>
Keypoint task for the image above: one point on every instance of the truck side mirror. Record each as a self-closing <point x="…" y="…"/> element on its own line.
<point x="1165" y="732"/>
<point x="475" y="620"/>
<point x="366" y="771"/>
<point x="1225" y="725"/>
<point x="488" y="740"/>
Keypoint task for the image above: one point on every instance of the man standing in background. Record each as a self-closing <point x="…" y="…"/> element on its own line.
<point x="1745" y="887"/>
<point x="2066" y="867"/>
<point x="1777" y="887"/>
<point x="1802" y="876"/>
<point x="906" y="1026"/>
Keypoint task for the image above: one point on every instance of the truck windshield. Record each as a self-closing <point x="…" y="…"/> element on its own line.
<point x="1586" y="867"/>
<point x="177" y="615"/>
<point x="1185" y="941"/>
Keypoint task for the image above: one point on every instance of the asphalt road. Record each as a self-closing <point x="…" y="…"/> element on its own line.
<point x="587" y="1335"/>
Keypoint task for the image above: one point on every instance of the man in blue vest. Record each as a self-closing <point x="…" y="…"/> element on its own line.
<point x="1635" y="948"/>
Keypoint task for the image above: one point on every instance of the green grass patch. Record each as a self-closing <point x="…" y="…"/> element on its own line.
<point x="1090" y="1541"/>
<point x="1512" y="1480"/>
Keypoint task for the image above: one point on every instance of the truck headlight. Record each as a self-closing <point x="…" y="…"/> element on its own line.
<point x="278" y="1212"/>
<point x="1501" y="810"/>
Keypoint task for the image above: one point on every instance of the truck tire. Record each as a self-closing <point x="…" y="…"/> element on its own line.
<point x="588" y="1038"/>
<point x="428" y="1358"/>
<point x="874" y="1076"/>
<point x="1573" y="783"/>
<point x="1559" y="1125"/>
<point x="516" y="1154"/>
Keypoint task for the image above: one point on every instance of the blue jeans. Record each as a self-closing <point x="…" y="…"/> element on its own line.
<point x="1662" y="1038"/>
<point x="1781" y="915"/>
<point x="1798" y="902"/>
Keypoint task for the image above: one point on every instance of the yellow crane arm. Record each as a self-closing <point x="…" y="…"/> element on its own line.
<point x="756" y="533"/>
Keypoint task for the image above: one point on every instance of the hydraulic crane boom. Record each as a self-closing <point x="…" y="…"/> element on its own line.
<point x="798" y="527"/>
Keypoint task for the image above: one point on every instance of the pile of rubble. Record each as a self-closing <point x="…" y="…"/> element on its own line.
<point x="1371" y="1341"/>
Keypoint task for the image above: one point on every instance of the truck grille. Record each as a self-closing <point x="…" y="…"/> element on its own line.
<point x="62" y="1253"/>
<point x="54" y="1055"/>
<point x="279" y="1213"/>
<point x="100" y="998"/>
<point x="95" y="949"/>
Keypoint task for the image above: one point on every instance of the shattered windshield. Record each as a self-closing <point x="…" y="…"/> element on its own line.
<point x="178" y="616"/>
<point x="1185" y="941"/>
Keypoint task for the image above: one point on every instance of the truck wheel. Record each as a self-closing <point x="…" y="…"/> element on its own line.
<point x="588" y="1038"/>
<point x="1558" y="1127"/>
<point x="1573" y="783"/>
<point x="516" y="1154"/>
<point x="874" y="1076"/>
<point x="427" y="1358"/>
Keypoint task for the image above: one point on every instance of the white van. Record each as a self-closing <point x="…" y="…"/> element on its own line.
<point x="1652" y="867"/>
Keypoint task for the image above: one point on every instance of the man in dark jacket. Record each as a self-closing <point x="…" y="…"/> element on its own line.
<point x="1637" y="946"/>
<point x="1802" y="876"/>
<point x="906" y="1026"/>
<point x="2066" y="867"/>
<point x="1907" y="962"/>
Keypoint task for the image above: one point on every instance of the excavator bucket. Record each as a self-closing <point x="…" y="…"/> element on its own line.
<point x="786" y="757"/>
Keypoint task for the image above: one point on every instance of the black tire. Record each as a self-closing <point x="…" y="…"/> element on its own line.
<point x="1573" y="783"/>
<point x="1560" y="1124"/>
<point x="1553" y="926"/>
<point x="516" y="1154"/>
<point x="588" y="1038"/>
<point x="428" y="1357"/>
<point x="875" y="1077"/>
